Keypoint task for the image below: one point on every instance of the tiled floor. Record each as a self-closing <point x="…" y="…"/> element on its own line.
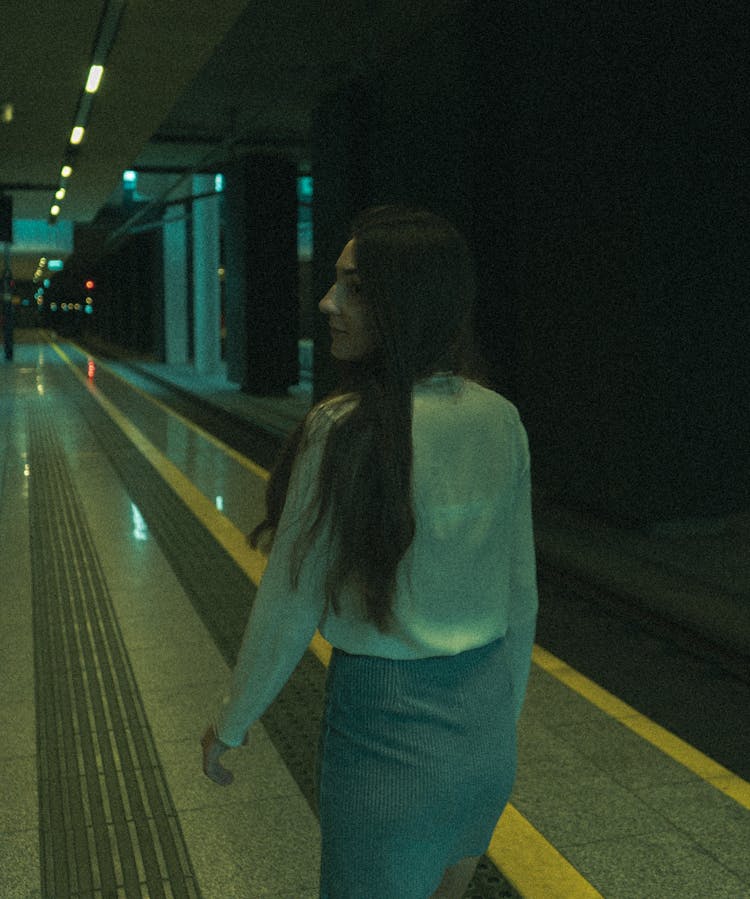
<point x="633" y="821"/>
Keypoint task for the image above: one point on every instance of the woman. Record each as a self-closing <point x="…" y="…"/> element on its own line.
<point x="401" y="524"/>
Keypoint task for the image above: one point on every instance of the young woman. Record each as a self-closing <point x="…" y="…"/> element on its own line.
<point x="401" y="523"/>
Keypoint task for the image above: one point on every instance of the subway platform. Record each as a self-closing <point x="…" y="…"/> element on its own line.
<point x="125" y="583"/>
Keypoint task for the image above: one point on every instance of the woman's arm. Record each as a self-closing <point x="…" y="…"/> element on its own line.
<point x="523" y="585"/>
<point x="283" y="619"/>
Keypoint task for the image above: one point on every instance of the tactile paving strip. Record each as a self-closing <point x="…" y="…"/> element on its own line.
<point x="107" y="823"/>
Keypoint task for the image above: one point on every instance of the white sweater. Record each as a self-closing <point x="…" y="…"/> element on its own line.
<point x="468" y="578"/>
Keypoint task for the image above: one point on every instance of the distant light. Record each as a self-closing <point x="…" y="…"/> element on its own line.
<point x="60" y="195"/>
<point x="66" y="171"/>
<point x="219" y="183"/>
<point x="305" y="187"/>
<point x="53" y="307"/>
<point x="76" y="135"/>
<point x="55" y="265"/>
<point x="47" y="282"/>
<point x="6" y="113"/>
<point x="129" y="176"/>
<point x="94" y="79"/>
<point x="91" y="369"/>
<point x="88" y="309"/>
<point x="220" y="503"/>
<point x="43" y="261"/>
<point x="55" y="210"/>
<point x="89" y="285"/>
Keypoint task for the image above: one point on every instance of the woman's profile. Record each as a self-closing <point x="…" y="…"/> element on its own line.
<point x="399" y="522"/>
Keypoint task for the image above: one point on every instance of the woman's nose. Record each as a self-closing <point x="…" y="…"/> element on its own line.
<point x="327" y="304"/>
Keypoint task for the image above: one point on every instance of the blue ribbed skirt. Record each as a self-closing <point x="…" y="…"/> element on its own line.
<point x="415" y="764"/>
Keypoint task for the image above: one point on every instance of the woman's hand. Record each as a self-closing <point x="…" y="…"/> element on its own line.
<point x="213" y="749"/>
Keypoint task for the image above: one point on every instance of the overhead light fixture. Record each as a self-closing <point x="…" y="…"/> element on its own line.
<point x="94" y="79"/>
<point x="76" y="135"/>
<point x="66" y="171"/>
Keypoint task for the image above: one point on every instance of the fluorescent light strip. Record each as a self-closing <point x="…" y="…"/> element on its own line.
<point x="94" y="79"/>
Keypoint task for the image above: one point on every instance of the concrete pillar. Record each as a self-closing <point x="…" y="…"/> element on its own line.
<point x="262" y="274"/>
<point x="206" y="287"/>
<point x="341" y="167"/>
<point x="175" y="286"/>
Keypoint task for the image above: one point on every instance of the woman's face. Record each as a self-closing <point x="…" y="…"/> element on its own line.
<point x="348" y="316"/>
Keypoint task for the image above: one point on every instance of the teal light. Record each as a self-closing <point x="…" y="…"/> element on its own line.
<point x="304" y="218"/>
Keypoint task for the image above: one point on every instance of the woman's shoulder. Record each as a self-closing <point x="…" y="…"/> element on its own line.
<point x="492" y="399"/>
<point x="442" y="390"/>
<point x="328" y="411"/>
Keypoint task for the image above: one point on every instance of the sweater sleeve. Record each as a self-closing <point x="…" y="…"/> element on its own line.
<point x="524" y="600"/>
<point x="283" y="619"/>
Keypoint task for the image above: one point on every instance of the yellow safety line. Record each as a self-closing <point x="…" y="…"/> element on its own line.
<point x="251" y="466"/>
<point x="230" y="537"/>
<point x="686" y="755"/>
<point x="530" y="863"/>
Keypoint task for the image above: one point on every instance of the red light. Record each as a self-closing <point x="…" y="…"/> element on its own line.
<point x="91" y="369"/>
<point x="90" y="284"/>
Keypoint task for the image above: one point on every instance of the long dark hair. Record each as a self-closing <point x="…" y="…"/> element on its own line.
<point x="417" y="277"/>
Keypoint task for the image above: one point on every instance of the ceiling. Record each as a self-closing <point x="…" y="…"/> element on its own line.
<point x="182" y="84"/>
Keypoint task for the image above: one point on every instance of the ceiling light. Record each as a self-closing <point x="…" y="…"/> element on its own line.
<point x="66" y="171"/>
<point x="55" y="210"/>
<point x="76" y="135"/>
<point x="95" y="77"/>
<point x="60" y="195"/>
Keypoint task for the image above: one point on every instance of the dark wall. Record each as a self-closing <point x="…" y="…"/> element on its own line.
<point x="127" y="296"/>
<point x="622" y="172"/>
<point x="592" y="154"/>
<point x="128" y="293"/>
